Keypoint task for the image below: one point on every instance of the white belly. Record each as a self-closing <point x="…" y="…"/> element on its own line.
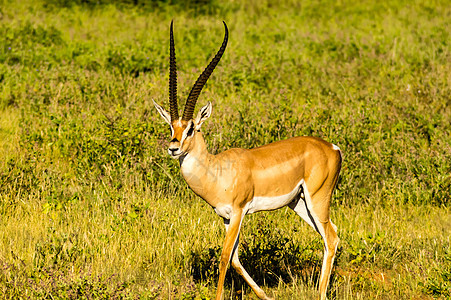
<point x="270" y="203"/>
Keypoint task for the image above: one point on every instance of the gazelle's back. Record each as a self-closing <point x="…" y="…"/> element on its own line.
<point x="277" y="168"/>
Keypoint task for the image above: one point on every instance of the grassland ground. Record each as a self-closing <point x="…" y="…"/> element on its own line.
<point x="92" y="207"/>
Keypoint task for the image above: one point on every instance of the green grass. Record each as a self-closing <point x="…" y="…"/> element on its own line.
<point x="91" y="206"/>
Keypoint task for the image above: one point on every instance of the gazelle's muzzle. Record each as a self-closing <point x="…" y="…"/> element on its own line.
<point x="174" y="148"/>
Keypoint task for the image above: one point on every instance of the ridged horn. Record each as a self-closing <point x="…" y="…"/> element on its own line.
<point x="200" y="82"/>
<point x="172" y="79"/>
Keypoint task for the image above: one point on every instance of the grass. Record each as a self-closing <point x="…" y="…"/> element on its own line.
<point x="91" y="206"/>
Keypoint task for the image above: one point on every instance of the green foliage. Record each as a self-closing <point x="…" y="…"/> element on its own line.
<point x="269" y="255"/>
<point x="440" y="284"/>
<point x="366" y="249"/>
<point x="28" y="45"/>
<point x="130" y="62"/>
<point x="197" y="6"/>
<point x="18" y="177"/>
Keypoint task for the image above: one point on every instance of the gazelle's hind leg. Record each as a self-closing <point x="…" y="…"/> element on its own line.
<point x="316" y="213"/>
<point x="331" y="241"/>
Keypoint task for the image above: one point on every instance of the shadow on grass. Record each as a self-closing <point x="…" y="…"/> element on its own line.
<point x="268" y="256"/>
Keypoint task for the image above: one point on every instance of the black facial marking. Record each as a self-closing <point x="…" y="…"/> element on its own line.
<point x="190" y="130"/>
<point x="174" y="140"/>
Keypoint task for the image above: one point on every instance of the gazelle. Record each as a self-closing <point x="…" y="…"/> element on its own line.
<point x="299" y="172"/>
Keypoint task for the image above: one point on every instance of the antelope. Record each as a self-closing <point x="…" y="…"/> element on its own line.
<point x="300" y="172"/>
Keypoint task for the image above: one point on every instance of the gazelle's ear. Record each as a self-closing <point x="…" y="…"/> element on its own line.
<point x="203" y="114"/>
<point x="163" y="112"/>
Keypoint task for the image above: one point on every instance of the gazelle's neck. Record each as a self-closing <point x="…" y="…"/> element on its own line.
<point x="195" y="164"/>
<point x="204" y="173"/>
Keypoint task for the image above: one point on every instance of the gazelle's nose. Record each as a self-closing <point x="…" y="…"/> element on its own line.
<point x="173" y="149"/>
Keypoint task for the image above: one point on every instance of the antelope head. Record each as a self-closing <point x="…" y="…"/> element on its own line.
<point x="184" y="128"/>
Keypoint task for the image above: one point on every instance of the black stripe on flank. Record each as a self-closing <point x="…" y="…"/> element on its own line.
<point x="311" y="217"/>
<point x="301" y="195"/>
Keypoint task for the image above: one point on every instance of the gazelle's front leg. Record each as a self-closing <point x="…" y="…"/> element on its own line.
<point x="232" y="232"/>
<point x="240" y="269"/>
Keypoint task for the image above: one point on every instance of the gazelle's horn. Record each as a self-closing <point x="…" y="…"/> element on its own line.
<point x="172" y="79"/>
<point x="200" y="82"/>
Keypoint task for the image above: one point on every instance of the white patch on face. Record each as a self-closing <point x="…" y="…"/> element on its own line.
<point x="185" y="132"/>
<point x="335" y="147"/>
<point x="271" y="203"/>
<point x="172" y="131"/>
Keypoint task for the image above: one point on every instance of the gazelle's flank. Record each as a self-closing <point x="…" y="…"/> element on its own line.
<point x="300" y="172"/>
